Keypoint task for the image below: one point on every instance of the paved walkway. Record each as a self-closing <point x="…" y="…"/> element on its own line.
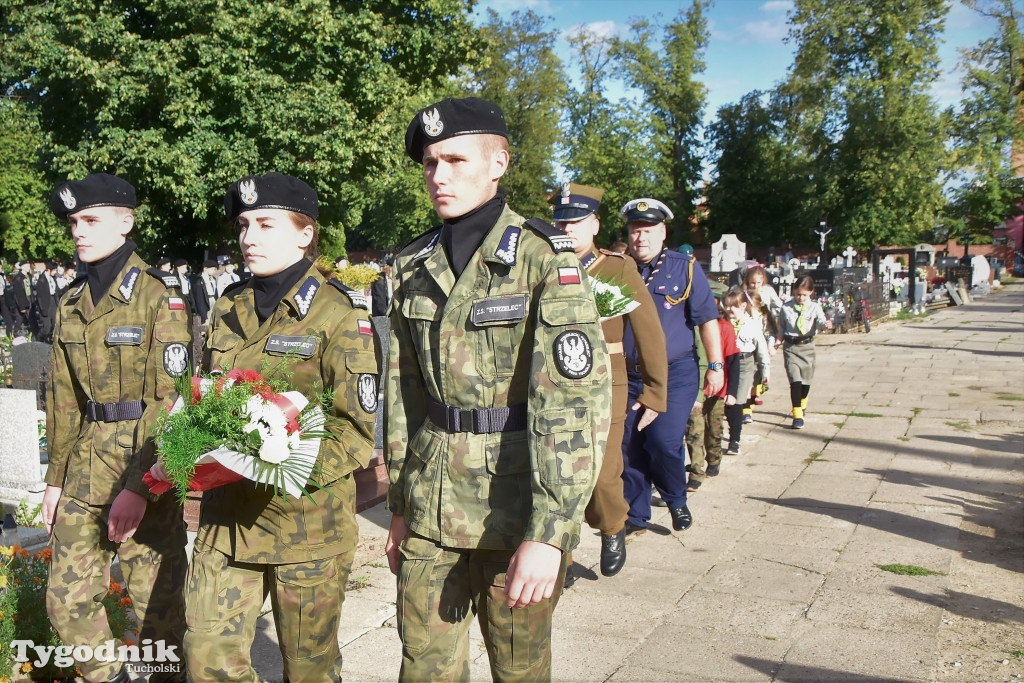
<point x="912" y="455"/>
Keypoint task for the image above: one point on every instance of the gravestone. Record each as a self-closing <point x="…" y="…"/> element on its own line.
<point x="727" y="253"/>
<point x="382" y="326"/>
<point x="19" y="447"/>
<point x="954" y="294"/>
<point x="31" y="364"/>
<point x="982" y="269"/>
<point x="850" y="254"/>
<point x="924" y="255"/>
<point x="824" y="280"/>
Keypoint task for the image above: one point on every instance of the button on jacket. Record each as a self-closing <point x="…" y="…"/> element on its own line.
<point x="123" y="349"/>
<point x="491" y="340"/>
<point x="333" y="347"/>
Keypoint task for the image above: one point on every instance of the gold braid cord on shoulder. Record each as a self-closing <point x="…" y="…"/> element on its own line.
<point x="689" y="285"/>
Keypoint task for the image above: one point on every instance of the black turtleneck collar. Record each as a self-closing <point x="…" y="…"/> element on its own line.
<point x="100" y="274"/>
<point x="472" y="228"/>
<point x="268" y="291"/>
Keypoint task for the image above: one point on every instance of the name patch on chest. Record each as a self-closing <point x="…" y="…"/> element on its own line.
<point x="499" y="308"/>
<point x="301" y="345"/>
<point x="126" y="336"/>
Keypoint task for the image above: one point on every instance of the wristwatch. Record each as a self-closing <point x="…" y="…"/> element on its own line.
<point x="717" y="365"/>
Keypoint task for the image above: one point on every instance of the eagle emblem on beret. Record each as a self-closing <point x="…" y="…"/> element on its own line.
<point x="247" y="190"/>
<point x="432" y="123"/>
<point x="68" y="198"/>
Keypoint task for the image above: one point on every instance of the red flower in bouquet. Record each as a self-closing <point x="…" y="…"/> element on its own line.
<point x="239" y="425"/>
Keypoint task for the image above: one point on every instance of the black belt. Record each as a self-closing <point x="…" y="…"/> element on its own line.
<point x="113" y="412"/>
<point x="477" y="420"/>
<point x="799" y="341"/>
<point x="746" y="354"/>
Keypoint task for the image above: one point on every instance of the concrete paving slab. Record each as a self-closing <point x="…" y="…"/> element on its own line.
<point x="839" y="653"/>
<point x="881" y="605"/>
<point x="755" y="577"/>
<point x="739" y="615"/>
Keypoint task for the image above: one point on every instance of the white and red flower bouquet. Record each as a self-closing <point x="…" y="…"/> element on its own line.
<point x="239" y="425"/>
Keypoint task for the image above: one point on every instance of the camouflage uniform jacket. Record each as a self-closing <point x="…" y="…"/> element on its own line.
<point x="129" y="347"/>
<point x="618" y="269"/>
<point x="491" y="339"/>
<point x="317" y="337"/>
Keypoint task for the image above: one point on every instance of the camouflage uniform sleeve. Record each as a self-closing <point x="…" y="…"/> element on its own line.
<point x="569" y="405"/>
<point x="172" y="337"/>
<point x="63" y="411"/>
<point x="650" y="343"/>
<point x="405" y="407"/>
<point x="350" y="366"/>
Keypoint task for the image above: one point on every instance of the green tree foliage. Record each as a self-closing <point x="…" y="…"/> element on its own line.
<point x="989" y="120"/>
<point x="605" y="144"/>
<point x="27" y="228"/>
<point x="181" y="97"/>
<point x="674" y="99"/>
<point x="858" y="88"/>
<point x="759" y="184"/>
<point x="522" y="74"/>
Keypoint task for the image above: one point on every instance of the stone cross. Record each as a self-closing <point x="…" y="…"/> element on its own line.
<point x="850" y="253"/>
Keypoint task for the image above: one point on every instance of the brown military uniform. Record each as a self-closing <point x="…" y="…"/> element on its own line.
<point x="498" y="406"/>
<point x="607" y="508"/>
<point x="250" y="541"/>
<point x="113" y="370"/>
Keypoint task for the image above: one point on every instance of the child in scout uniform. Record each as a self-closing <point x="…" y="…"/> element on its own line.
<point x="753" y="353"/>
<point x="251" y="542"/>
<point x="121" y="338"/>
<point x="767" y="311"/>
<point x="575" y="214"/>
<point x="800" y="320"/>
<point x="704" y="426"/>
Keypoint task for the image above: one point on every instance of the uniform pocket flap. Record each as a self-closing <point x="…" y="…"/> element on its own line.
<point x="166" y="335"/>
<point x="421" y="307"/>
<point x="561" y="420"/>
<point x="224" y="342"/>
<point x="555" y="312"/>
<point x="73" y="333"/>
<point x="361" y="362"/>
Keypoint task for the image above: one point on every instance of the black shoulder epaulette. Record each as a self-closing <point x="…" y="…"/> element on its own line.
<point x="559" y="240"/>
<point x="170" y="280"/>
<point x="358" y="300"/>
<point x="233" y="286"/>
<point x="408" y="245"/>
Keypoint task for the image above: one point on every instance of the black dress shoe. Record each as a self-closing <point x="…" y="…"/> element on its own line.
<point x="613" y="553"/>
<point x="634" y="528"/>
<point x="681" y="518"/>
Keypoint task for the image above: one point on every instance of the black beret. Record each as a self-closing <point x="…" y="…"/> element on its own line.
<point x="210" y="263"/>
<point x="162" y="261"/>
<point x="270" y="191"/>
<point x="180" y="262"/>
<point x="450" y="118"/>
<point x="51" y="265"/>
<point x="96" y="189"/>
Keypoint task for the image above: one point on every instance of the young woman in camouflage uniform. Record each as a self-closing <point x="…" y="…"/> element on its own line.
<point x="251" y="542"/>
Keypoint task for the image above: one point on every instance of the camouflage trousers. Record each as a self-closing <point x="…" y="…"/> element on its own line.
<point x="152" y="561"/>
<point x="704" y="436"/>
<point x="223" y="601"/>
<point x="441" y="589"/>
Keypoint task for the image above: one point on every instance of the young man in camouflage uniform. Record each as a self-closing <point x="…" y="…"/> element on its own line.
<point x="576" y="215"/>
<point x="120" y="341"/>
<point x="498" y="407"/>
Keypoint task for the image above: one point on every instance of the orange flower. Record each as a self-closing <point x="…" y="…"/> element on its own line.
<point x="26" y="667"/>
<point x="22" y="553"/>
<point x="45" y="555"/>
<point x="125" y="602"/>
<point x="115" y="587"/>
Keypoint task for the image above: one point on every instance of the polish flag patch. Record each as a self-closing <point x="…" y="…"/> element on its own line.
<point x="176" y="303"/>
<point x="365" y="327"/>
<point x="569" y="275"/>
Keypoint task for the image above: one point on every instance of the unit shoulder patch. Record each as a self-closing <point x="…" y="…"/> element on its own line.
<point x="170" y="280"/>
<point x="559" y="240"/>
